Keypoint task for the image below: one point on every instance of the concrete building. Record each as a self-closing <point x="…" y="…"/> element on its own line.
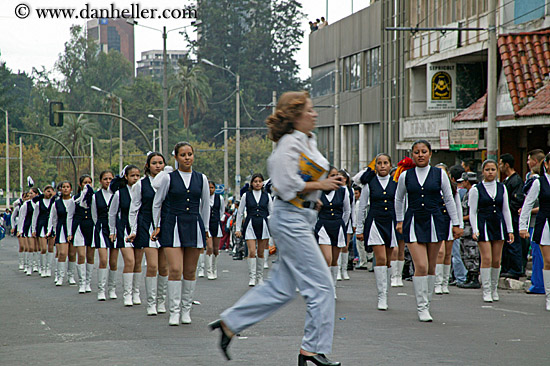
<point x="113" y="34"/>
<point x="151" y="63"/>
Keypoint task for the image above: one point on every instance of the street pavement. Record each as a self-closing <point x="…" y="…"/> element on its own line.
<point x="41" y="324"/>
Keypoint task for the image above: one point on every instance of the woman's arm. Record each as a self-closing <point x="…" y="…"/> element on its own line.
<point x="113" y="212"/>
<point x="473" y="197"/>
<point x="162" y="186"/>
<point x="528" y="204"/>
<point x="135" y="205"/>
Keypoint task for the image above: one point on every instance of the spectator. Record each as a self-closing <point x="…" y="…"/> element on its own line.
<point x="468" y="246"/>
<point x="469" y="165"/>
<point x="324" y="23"/>
<point x="313" y="27"/>
<point x="512" y="253"/>
<point x="534" y="158"/>
<point x="459" y="270"/>
<point x="226" y="230"/>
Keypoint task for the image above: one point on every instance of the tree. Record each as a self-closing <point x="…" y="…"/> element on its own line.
<point x="192" y="91"/>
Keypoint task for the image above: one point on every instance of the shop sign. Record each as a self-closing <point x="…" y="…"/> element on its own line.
<point x="464" y="140"/>
<point x="441" y="86"/>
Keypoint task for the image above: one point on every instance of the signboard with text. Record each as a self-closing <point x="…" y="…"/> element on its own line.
<point x="441" y="87"/>
<point x="464" y="140"/>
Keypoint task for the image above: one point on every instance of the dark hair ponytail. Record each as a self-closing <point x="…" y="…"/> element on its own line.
<point x="119" y="182"/>
<point x="147" y="168"/>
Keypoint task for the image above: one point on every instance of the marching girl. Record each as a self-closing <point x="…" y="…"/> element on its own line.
<point x="182" y="230"/>
<point x="350" y="228"/>
<point x="258" y="206"/>
<point x="491" y="219"/>
<point x="14" y="221"/>
<point x="443" y="266"/>
<point x="20" y="232"/>
<point x="119" y="228"/>
<point x="82" y="234"/>
<point x="24" y="229"/>
<point x="540" y="189"/>
<point x="330" y="228"/>
<point x="60" y="221"/>
<point x="43" y="204"/>
<point x="102" y="241"/>
<point x="378" y="230"/>
<point x="217" y="211"/>
<point x="141" y="223"/>
<point x="422" y="225"/>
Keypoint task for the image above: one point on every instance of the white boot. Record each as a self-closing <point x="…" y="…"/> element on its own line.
<point x="127" y="280"/>
<point x="339" y="274"/>
<point x="28" y="264"/>
<point x="208" y="265"/>
<point x="393" y="277"/>
<point x="446" y="277"/>
<point x="187" y="292"/>
<point x="89" y="271"/>
<point x="431" y="287"/>
<point x="35" y="260"/>
<point x="174" y="301"/>
<point x="399" y="273"/>
<point x="81" y="273"/>
<point x="162" y="288"/>
<point x="420" y="284"/>
<point x="260" y="271"/>
<point x="215" y="266"/>
<point x="334" y="270"/>
<point x="495" y="275"/>
<point x="42" y="268"/>
<point x="61" y="267"/>
<point x="200" y="266"/>
<point x="381" y="275"/>
<point x="135" y="289"/>
<point x="70" y="273"/>
<point x="266" y="258"/>
<point x="102" y="274"/>
<point x="389" y="272"/>
<point x="438" y="279"/>
<point x="486" y="284"/>
<point x="21" y="261"/>
<point x="55" y="270"/>
<point x="344" y="265"/>
<point x="251" y="271"/>
<point x="49" y="257"/>
<point x="151" y="290"/>
<point x="546" y="279"/>
<point x="112" y="284"/>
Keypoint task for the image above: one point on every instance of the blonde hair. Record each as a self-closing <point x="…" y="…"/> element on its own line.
<point x="289" y="108"/>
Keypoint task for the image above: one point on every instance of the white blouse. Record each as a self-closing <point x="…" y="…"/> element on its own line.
<point x="364" y="201"/>
<point x="473" y="198"/>
<point x="242" y="207"/>
<point x="107" y="194"/>
<point x="52" y="222"/>
<point x="529" y="203"/>
<point x="135" y="205"/>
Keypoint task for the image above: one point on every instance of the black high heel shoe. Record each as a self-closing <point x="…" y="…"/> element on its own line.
<point x="318" y="359"/>
<point x="224" y="340"/>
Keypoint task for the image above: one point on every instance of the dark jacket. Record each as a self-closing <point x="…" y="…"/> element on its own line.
<point x="514" y="186"/>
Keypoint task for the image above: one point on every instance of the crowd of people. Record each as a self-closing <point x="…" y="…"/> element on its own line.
<point x="317" y="24"/>
<point x="457" y="227"/>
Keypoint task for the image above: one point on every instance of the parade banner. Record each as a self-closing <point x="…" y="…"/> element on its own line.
<point x="441" y="86"/>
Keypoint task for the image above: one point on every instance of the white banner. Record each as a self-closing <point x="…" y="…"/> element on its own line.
<point x="441" y="86"/>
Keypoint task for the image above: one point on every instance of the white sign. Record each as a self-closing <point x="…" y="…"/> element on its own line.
<point x="444" y="139"/>
<point x="441" y="86"/>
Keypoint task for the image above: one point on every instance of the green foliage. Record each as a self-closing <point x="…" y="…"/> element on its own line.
<point x="192" y="92"/>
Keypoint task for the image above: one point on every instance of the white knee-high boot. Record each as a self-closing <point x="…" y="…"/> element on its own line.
<point x="101" y="282"/>
<point x="399" y="274"/>
<point x="381" y="275"/>
<point x="393" y="277"/>
<point x="35" y="261"/>
<point x="188" y="289"/>
<point x="61" y="267"/>
<point x="486" y="284"/>
<point x="89" y="272"/>
<point x="127" y="282"/>
<point x="56" y="260"/>
<point x="495" y="275"/>
<point x="446" y="277"/>
<point x="438" y="279"/>
<point x="174" y="300"/>
<point x="260" y="271"/>
<point x="48" y="264"/>
<point x="162" y="288"/>
<point x="344" y="265"/>
<point x="42" y="267"/>
<point x="251" y="271"/>
<point x="112" y="284"/>
<point x="151" y="290"/>
<point x="200" y="266"/>
<point x="339" y="273"/>
<point x="266" y="258"/>
<point x="208" y="265"/>
<point x="81" y="273"/>
<point x="215" y="267"/>
<point x="136" y="300"/>
<point x="421" y="293"/>
<point x="334" y="270"/>
<point x="546" y="279"/>
<point x="21" y="261"/>
<point x="70" y="273"/>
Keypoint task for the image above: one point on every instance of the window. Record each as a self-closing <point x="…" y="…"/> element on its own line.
<point x="113" y="39"/>
<point x="322" y="80"/>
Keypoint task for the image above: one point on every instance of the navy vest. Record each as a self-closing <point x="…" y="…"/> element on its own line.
<point x="258" y="209"/>
<point x="382" y="200"/>
<point x="490" y="206"/>
<point x="147" y="196"/>
<point x="184" y="200"/>
<point x="425" y="199"/>
<point x="102" y="209"/>
<point x="28" y="219"/>
<point x="544" y="208"/>
<point x="333" y="210"/>
<point x="215" y="210"/>
<point x="43" y="212"/>
<point x="122" y="219"/>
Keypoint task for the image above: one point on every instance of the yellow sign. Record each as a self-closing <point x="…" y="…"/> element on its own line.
<point x="442" y="86"/>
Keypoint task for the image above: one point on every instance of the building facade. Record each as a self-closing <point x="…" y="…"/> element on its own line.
<point x="151" y="63"/>
<point x="113" y="34"/>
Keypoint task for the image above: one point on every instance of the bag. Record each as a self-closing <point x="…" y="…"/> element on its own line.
<point x="2" y="232"/>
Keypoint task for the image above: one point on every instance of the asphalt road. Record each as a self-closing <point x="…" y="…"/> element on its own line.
<point x="41" y="324"/>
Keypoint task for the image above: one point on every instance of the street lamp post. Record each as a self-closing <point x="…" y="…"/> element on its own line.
<point x="7" y="161"/>
<point x="237" y="126"/>
<point x="159" y="132"/>
<point x="120" y="162"/>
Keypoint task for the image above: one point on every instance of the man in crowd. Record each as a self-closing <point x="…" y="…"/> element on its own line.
<point x="459" y="269"/>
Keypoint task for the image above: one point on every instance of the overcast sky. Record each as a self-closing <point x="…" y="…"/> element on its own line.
<point x="35" y="42"/>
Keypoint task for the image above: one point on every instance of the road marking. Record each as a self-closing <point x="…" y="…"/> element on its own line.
<point x="45" y="325"/>
<point x="507" y="310"/>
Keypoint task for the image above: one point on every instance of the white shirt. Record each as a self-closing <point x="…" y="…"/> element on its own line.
<point x="529" y="203"/>
<point x="491" y="188"/>
<point x="162" y="184"/>
<point x="113" y="209"/>
<point x="284" y="165"/>
<point x="422" y="174"/>
<point x="242" y="207"/>
<point x="107" y="194"/>
<point x="36" y="212"/>
<point x="15" y="216"/>
<point x="22" y="216"/>
<point x="364" y="201"/>
<point x="52" y="222"/>
<point x="135" y="205"/>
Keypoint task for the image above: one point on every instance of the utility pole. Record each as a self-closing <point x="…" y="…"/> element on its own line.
<point x="273" y="109"/>
<point x="154" y="140"/>
<point x="91" y="159"/>
<point x="238" y="141"/>
<point x="7" y="163"/>
<point x="164" y="96"/>
<point x="336" y="161"/>
<point x="21" y="164"/>
<point x="225" y="158"/>
<point x="120" y="162"/>
<point x="492" y="131"/>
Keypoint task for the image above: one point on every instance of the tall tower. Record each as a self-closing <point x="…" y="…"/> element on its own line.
<point x="113" y="34"/>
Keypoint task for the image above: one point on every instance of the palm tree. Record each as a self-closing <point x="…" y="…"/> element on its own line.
<point x="75" y="134"/>
<point x="192" y="91"/>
